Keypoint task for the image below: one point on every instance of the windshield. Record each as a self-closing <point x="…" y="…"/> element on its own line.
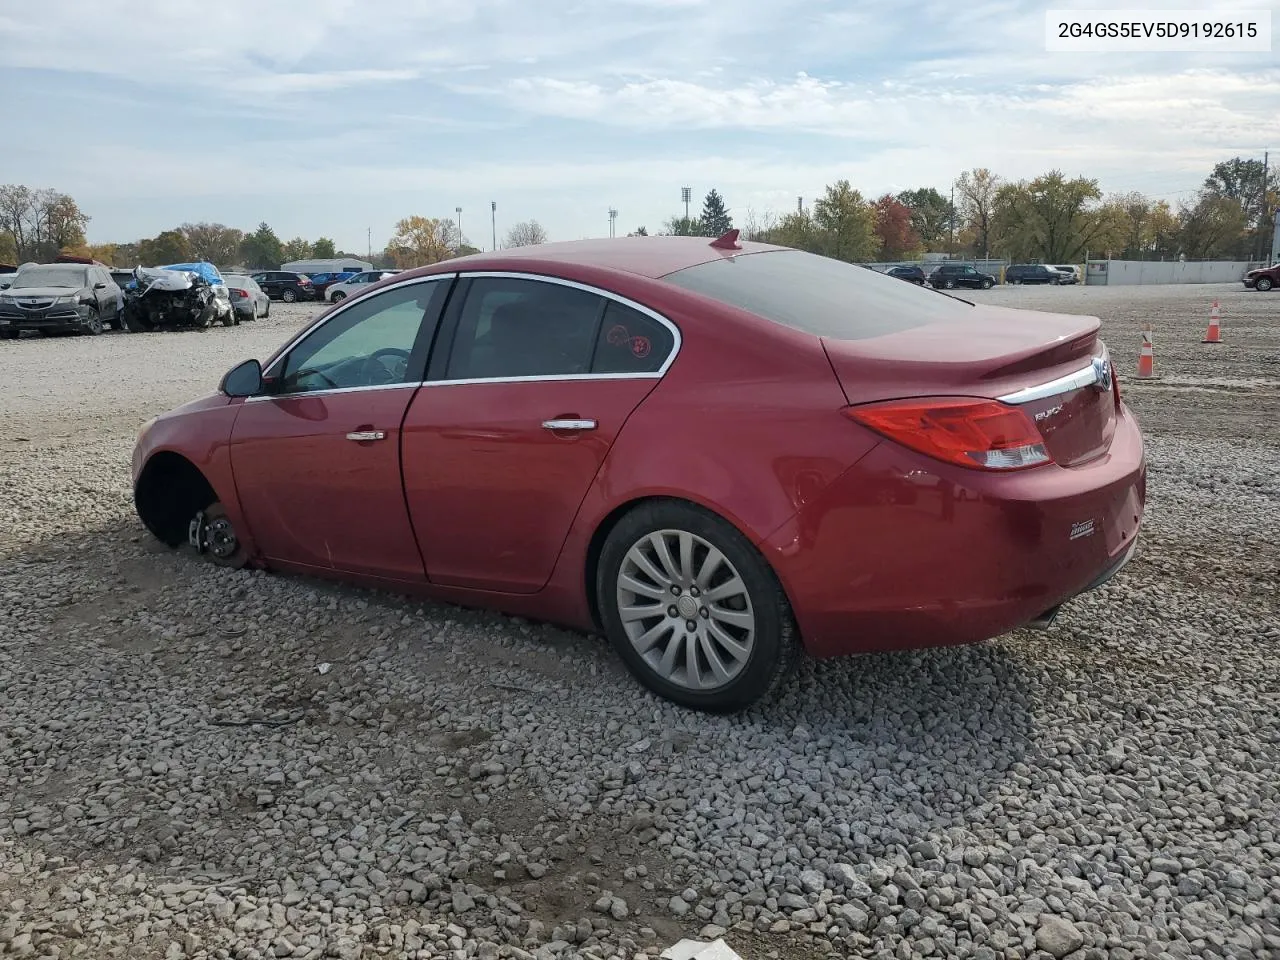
<point x="50" y="277"/>
<point x="819" y="295"/>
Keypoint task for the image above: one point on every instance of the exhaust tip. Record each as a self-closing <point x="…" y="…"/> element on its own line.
<point x="1045" y="620"/>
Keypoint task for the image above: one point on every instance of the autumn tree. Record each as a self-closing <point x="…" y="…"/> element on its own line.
<point x="527" y="233"/>
<point x="976" y="192"/>
<point x="171" y="246"/>
<point x="419" y="241"/>
<point x="323" y="249"/>
<point x="897" y="237"/>
<point x="931" y="216"/>
<point x="845" y="224"/>
<point x="214" y="242"/>
<point x="262" y="249"/>
<point x="715" y="220"/>
<point x="1212" y="227"/>
<point x="296" y="249"/>
<point x="39" y="224"/>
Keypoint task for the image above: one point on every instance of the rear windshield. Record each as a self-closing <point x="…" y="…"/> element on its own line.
<point x="819" y="295"/>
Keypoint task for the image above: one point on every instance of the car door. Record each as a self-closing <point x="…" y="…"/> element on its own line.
<point x="531" y="382"/>
<point x="316" y="457"/>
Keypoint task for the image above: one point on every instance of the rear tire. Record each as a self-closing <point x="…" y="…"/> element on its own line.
<point x="742" y="648"/>
<point x="1264" y="284"/>
<point x="949" y="284"/>
<point x="988" y="284"/>
<point x="288" y="295"/>
<point x="338" y="296"/>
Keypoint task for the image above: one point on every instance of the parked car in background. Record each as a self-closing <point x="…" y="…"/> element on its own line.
<point x="1070" y="272"/>
<point x="354" y="285"/>
<point x="1263" y="279"/>
<point x="247" y="298"/>
<point x="483" y="431"/>
<point x="286" y="286"/>
<point x="321" y="282"/>
<point x="948" y="276"/>
<point x="1020" y="273"/>
<point x="59" y="298"/>
<point x="910" y="274"/>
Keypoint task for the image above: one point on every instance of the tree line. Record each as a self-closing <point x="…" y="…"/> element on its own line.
<point x="1050" y="218"/>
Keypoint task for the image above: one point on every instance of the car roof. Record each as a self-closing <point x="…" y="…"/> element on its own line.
<point x="651" y="257"/>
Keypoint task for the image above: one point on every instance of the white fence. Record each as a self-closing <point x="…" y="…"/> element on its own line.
<point x="1118" y="272"/>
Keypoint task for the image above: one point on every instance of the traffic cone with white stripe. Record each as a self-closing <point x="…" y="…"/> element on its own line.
<point x="1146" y="356"/>
<point x="1214" y="334"/>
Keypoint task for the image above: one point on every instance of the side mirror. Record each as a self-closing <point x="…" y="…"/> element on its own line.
<point x="243" y="380"/>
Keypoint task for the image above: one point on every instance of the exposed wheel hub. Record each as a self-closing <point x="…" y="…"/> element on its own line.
<point x="216" y="537"/>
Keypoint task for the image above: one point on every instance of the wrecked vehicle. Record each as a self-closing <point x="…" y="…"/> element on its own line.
<point x="180" y="295"/>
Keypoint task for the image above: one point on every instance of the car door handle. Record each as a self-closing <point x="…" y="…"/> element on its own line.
<point x="568" y="424"/>
<point x="367" y="435"/>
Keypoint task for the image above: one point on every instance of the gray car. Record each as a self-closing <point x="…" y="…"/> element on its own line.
<point x="58" y="298"/>
<point x="248" y="299"/>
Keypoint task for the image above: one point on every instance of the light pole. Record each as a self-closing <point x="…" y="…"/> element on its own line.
<point x="493" y="210"/>
<point x="458" y="210"/>
<point x="686" y="194"/>
<point x="613" y="219"/>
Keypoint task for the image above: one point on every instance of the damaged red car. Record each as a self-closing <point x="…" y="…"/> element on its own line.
<point x="719" y="454"/>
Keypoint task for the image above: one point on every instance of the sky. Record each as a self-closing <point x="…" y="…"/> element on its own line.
<point x="338" y="117"/>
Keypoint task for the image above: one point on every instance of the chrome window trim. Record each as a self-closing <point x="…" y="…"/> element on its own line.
<point x="338" y="311"/>
<point x="677" y="339"/>
<point x="1084" y="377"/>
<point x="327" y="391"/>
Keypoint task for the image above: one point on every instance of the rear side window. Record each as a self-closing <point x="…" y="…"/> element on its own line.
<point x="630" y="342"/>
<point x="819" y="295"/>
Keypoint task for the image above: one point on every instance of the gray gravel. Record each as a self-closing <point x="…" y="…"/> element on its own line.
<point x="178" y="778"/>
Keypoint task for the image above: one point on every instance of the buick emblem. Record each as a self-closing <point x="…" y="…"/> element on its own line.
<point x="1101" y="374"/>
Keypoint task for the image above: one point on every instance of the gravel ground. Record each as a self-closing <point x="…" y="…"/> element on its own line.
<point x="182" y="776"/>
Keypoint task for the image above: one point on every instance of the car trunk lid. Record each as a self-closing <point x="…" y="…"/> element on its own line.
<point x="1053" y="366"/>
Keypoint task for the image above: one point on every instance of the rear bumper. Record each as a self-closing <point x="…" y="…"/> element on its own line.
<point x="904" y="552"/>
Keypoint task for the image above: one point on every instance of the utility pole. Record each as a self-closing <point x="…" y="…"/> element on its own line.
<point x="368" y="238"/>
<point x="952" y="243"/>
<point x="613" y="219"/>
<point x="1262" y="227"/>
<point x="493" y="210"/>
<point x="799" y="204"/>
<point x="458" y="210"/>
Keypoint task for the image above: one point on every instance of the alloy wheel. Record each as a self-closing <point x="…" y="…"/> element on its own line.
<point x="686" y="610"/>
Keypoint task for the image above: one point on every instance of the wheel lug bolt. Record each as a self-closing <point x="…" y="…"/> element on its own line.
<point x="704" y="613"/>
<point x="672" y="611"/>
<point x="675" y="591"/>
<point x="691" y="625"/>
<point x="693" y="591"/>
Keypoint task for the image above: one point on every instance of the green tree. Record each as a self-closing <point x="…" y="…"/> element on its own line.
<point x="639" y="232"/>
<point x="171" y="246"/>
<point x="262" y="249"/>
<point x="323" y="249"/>
<point x="296" y="249"/>
<point x="715" y="220"/>
<point x="931" y="216"/>
<point x="682" y="227"/>
<point x="1213" y="227"/>
<point x="1052" y="219"/>
<point x="845" y="223"/>
<point x="215" y="242"/>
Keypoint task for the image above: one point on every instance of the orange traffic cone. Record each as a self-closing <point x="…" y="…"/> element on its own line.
<point x="1214" y="334"/>
<point x="1146" y="356"/>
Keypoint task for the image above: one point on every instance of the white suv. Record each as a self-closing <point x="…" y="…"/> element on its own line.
<point x="1072" y="272"/>
<point x="340" y="291"/>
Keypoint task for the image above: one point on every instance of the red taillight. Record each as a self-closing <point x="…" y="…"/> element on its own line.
<point x="239" y="293"/>
<point x="970" y="432"/>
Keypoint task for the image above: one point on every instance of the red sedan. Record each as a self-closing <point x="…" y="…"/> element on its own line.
<point x="717" y="453"/>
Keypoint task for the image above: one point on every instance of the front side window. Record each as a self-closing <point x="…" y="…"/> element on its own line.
<point x="371" y="343"/>
<point x="524" y="328"/>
